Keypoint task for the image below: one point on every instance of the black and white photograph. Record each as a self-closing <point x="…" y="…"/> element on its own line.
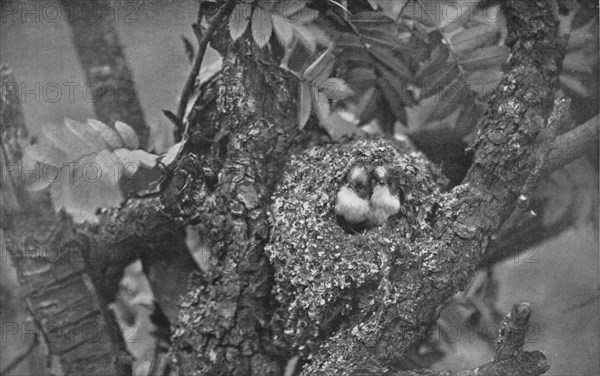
<point x="299" y="188"/>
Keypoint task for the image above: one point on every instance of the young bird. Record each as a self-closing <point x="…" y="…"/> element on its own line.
<point x="352" y="202"/>
<point x="386" y="196"/>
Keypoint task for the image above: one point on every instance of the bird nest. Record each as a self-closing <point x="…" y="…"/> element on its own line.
<point x="317" y="263"/>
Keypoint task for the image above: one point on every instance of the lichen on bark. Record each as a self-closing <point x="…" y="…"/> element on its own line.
<point x="234" y="158"/>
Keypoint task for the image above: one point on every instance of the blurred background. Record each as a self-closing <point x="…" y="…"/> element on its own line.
<point x="560" y="277"/>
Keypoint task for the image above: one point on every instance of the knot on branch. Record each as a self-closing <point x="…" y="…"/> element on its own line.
<point x="510" y="358"/>
<point x="513" y="331"/>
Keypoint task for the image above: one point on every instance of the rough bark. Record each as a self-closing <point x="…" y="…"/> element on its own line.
<point x="239" y="143"/>
<point x="223" y="313"/>
<point x="235" y="155"/>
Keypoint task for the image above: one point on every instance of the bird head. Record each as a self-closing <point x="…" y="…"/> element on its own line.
<point x="387" y="195"/>
<point x="357" y="179"/>
<point x="352" y="201"/>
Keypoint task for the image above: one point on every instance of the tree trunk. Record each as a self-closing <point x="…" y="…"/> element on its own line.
<point x="230" y="320"/>
<point x="52" y="264"/>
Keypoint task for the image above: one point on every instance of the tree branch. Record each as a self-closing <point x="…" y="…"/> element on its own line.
<point x="525" y="230"/>
<point x="50" y="258"/>
<point x="510" y="150"/>
<point x="573" y="145"/>
<point x="103" y="61"/>
<point x="510" y="358"/>
<point x="188" y="87"/>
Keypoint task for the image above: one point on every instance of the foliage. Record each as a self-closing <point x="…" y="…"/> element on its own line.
<point x="83" y="164"/>
<point x="317" y="88"/>
<point x="289" y="19"/>
<point x="406" y="69"/>
<point x="395" y="65"/>
<point x="392" y="59"/>
<point x="423" y="70"/>
<point x="400" y="58"/>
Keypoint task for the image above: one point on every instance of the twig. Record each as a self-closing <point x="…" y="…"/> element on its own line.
<point x="513" y="331"/>
<point x="573" y="144"/>
<point x="18" y="360"/>
<point x="202" y="45"/>
<point x="197" y="27"/>
<point x="529" y="363"/>
<point x="510" y="358"/>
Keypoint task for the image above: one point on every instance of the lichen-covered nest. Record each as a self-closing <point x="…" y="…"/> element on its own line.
<point x="318" y="264"/>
